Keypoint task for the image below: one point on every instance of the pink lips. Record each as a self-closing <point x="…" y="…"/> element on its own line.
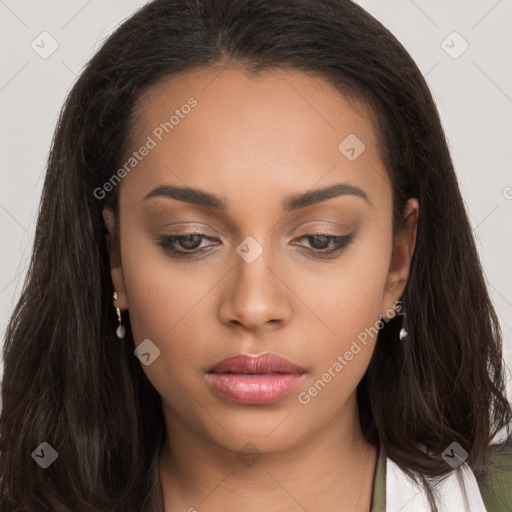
<point x="255" y="379"/>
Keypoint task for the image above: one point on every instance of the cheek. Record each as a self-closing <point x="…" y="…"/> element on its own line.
<point x="347" y="293"/>
<point x="348" y="300"/>
<point x="165" y="304"/>
<point x="160" y="295"/>
<point x="168" y="304"/>
<point x="160" y="290"/>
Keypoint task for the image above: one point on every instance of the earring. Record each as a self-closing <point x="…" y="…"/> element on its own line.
<point x="120" y="331"/>
<point x="403" y="331"/>
<point x="399" y="307"/>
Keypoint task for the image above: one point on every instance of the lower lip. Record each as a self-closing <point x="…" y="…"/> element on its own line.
<point x="261" y="388"/>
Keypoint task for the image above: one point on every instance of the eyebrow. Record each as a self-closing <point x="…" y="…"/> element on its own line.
<point x="294" y="202"/>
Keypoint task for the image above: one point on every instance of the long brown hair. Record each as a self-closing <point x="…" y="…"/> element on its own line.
<point x="69" y="382"/>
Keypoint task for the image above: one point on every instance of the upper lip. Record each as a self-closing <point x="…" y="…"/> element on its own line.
<point x="250" y="364"/>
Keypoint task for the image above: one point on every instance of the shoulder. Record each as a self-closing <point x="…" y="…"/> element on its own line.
<point x="496" y="485"/>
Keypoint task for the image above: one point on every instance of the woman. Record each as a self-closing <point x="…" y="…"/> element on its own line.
<point x="254" y="284"/>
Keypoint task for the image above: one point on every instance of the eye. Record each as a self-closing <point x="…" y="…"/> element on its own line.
<point x="184" y="244"/>
<point x="320" y="243"/>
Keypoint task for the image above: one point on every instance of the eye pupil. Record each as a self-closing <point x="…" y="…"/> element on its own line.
<point x="324" y="241"/>
<point x="191" y="241"/>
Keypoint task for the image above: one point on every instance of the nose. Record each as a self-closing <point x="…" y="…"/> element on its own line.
<point x="255" y="294"/>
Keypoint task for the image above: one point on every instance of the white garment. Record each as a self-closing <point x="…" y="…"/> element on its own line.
<point x="459" y="492"/>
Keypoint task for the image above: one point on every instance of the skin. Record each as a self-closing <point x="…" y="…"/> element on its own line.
<point x="252" y="141"/>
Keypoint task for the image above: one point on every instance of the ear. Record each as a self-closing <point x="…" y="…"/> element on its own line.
<point x="116" y="269"/>
<point x="405" y="242"/>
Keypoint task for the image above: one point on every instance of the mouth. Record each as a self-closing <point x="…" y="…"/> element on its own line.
<point x="247" y="364"/>
<point x="249" y="379"/>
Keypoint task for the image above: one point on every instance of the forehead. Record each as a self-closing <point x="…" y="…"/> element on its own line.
<point x="276" y="132"/>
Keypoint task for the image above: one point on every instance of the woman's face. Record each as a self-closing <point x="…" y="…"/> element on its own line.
<point x="266" y="282"/>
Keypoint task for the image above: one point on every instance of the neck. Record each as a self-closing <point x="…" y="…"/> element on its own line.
<point x="332" y="469"/>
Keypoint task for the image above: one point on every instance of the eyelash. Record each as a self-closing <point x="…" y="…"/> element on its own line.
<point x="167" y="241"/>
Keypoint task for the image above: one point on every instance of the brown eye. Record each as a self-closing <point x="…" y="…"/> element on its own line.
<point x="320" y="242"/>
<point x="185" y="244"/>
<point x="189" y="242"/>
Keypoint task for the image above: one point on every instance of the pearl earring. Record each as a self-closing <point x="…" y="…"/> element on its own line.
<point x="398" y="306"/>
<point x="403" y="331"/>
<point x="121" y="330"/>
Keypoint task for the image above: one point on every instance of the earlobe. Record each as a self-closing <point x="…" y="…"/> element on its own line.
<point x="118" y="281"/>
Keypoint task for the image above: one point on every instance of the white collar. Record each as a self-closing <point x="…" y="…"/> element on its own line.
<point x="458" y="492"/>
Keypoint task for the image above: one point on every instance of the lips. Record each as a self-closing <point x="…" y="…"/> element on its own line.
<point x="254" y="380"/>
<point x="263" y="364"/>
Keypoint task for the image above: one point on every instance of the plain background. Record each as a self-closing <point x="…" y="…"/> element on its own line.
<point x="473" y="92"/>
